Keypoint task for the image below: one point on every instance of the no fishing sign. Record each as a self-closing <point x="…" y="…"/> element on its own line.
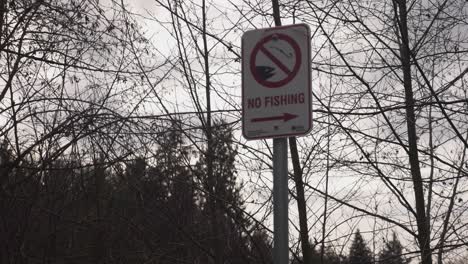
<point x="276" y="82"/>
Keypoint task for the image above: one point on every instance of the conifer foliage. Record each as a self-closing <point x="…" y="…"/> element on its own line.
<point x="392" y="253"/>
<point x="146" y="209"/>
<point x="359" y="252"/>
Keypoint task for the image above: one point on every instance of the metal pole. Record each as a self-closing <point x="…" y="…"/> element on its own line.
<point x="280" y="201"/>
<point x="280" y="186"/>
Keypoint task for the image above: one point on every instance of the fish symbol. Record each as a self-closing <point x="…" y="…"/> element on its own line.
<point x="265" y="72"/>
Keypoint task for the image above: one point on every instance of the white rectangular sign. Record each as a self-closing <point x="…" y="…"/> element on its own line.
<point x="276" y="82"/>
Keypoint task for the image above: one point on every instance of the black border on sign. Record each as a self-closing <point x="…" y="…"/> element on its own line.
<point x="260" y="46"/>
<point x="309" y="90"/>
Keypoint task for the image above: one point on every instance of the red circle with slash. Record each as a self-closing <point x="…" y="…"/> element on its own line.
<point x="290" y="73"/>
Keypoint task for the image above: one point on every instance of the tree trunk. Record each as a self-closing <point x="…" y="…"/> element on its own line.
<point x="423" y="230"/>
<point x="301" y="204"/>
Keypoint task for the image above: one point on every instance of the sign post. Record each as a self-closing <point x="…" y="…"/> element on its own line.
<point x="280" y="201"/>
<point x="276" y="103"/>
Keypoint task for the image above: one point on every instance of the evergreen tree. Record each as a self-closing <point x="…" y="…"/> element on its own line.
<point x="222" y="196"/>
<point x="359" y="252"/>
<point x="314" y="254"/>
<point x="261" y="248"/>
<point x="180" y="212"/>
<point x="331" y="257"/>
<point x="392" y="252"/>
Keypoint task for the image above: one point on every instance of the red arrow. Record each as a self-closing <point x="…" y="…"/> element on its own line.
<point x="285" y="117"/>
